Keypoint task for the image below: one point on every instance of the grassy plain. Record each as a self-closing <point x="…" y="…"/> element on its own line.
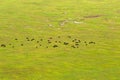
<point x="87" y="20"/>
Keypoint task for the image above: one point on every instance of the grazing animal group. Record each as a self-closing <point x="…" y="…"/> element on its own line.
<point x="53" y="42"/>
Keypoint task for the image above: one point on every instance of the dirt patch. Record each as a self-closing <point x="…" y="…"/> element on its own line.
<point x="93" y="16"/>
<point x="62" y="23"/>
<point x="118" y="11"/>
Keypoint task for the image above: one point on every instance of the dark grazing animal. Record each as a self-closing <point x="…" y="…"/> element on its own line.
<point x="21" y="44"/>
<point x="69" y="36"/>
<point x="76" y="44"/>
<point x="16" y="39"/>
<point x="49" y="42"/>
<point x="50" y="38"/>
<point x="41" y="39"/>
<point x="59" y="41"/>
<point x="3" y="45"/>
<point x="66" y="43"/>
<point x="85" y="42"/>
<point x="79" y="41"/>
<point x="73" y="40"/>
<point x="91" y="42"/>
<point x="55" y="46"/>
<point x="58" y="36"/>
<point x="73" y="46"/>
<point x="37" y="41"/>
<point x="56" y="41"/>
<point x="32" y="39"/>
<point x="27" y="38"/>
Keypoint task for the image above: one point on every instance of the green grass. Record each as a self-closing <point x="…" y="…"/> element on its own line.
<point x="30" y="18"/>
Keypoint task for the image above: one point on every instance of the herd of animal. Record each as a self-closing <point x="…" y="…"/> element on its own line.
<point x="51" y="42"/>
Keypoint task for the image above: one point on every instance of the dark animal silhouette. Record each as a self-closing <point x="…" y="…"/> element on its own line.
<point x="32" y="39"/>
<point x="3" y="45"/>
<point x="91" y="42"/>
<point x="21" y="44"/>
<point x="73" y="46"/>
<point x="41" y="39"/>
<point x="49" y="42"/>
<point x="16" y="39"/>
<point x="27" y="38"/>
<point x="37" y="41"/>
<point x="69" y="36"/>
<point x="59" y="41"/>
<point x="76" y="44"/>
<point x="56" y="41"/>
<point x="55" y="46"/>
<point x="66" y="43"/>
<point x="58" y="36"/>
<point x="50" y="38"/>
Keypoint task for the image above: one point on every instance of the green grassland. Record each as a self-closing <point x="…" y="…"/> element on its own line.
<point x="86" y="20"/>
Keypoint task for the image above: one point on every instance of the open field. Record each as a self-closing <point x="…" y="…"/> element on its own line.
<point x="59" y="39"/>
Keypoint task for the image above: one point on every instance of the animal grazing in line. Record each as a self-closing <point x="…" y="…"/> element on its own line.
<point x="66" y="43"/>
<point x="55" y="46"/>
<point x="16" y="39"/>
<point x="91" y="42"/>
<point x="21" y="44"/>
<point x="3" y="45"/>
<point x="32" y="39"/>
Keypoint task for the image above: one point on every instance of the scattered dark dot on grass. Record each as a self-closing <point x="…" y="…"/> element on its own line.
<point x="55" y="46"/>
<point x="59" y="41"/>
<point x="10" y="44"/>
<point x="91" y="42"/>
<point x="58" y="36"/>
<point x="32" y="39"/>
<point x="16" y="39"/>
<point x="50" y="38"/>
<point x="3" y="45"/>
<point x="37" y="41"/>
<point x="49" y="42"/>
<point x="73" y="46"/>
<point x="79" y="41"/>
<point x="77" y="44"/>
<point x="27" y="38"/>
<point x="41" y="39"/>
<point x="56" y="41"/>
<point x="21" y="44"/>
<point x="69" y="36"/>
<point x="66" y="43"/>
<point x="73" y="40"/>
